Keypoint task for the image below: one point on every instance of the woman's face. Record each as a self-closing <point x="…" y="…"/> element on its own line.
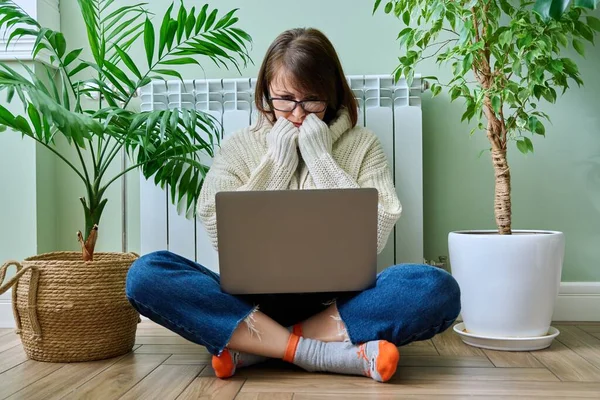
<point x="282" y="91"/>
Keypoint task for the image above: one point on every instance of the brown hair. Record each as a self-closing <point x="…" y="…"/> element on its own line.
<point x="309" y="57"/>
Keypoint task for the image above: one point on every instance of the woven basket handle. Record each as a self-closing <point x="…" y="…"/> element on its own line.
<point x="32" y="295"/>
<point x="14" y="279"/>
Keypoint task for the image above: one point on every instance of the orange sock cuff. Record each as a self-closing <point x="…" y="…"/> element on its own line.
<point x="297" y="329"/>
<point x="290" y="351"/>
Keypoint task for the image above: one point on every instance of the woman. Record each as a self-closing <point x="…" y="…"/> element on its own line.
<point x="306" y="138"/>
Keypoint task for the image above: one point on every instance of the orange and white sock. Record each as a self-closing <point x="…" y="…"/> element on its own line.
<point x="377" y="359"/>
<point x="229" y="361"/>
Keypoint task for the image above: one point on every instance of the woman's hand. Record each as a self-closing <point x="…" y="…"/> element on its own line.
<point x="314" y="138"/>
<point x="282" y="142"/>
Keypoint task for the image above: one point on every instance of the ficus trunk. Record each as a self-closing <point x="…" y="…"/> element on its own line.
<point x="496" y="132"/>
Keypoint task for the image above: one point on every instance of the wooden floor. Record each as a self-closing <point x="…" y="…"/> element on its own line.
<point x="165" y="366"/>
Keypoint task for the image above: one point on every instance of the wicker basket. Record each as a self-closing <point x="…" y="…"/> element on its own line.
<point x="68" y="310"/>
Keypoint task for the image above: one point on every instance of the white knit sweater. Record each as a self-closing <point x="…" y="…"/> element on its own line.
<point x="316" y="156"/>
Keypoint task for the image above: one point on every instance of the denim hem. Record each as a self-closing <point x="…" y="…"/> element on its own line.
<point x="220" y="349"/>
<point x="158" y="316"/>
<point x="348" y="330"/>
<point x="414" y="336"/>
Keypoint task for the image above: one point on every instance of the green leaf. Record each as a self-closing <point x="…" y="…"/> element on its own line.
<point x="406" y="18"/>
<point x="61" y="44"/>
<point x="516" y="67"/>
<point x="35" y="119"/>
<point x="120" y="75"/>
<point x="149" y="41"/>
<point x="210" y="20"/>
<point x="65" y="94"/>
<point x="169" y="72"/>
<point x="71" y="57"/>
<point x="585" y="31"/>
<point x="22" y="125"/>
<point x="436" y="89"/>
<point x="579" y="47"/>
<point x="164" y="29"/>
<point x="181" y="19"/>
<point x="522" y="146"/>
<point x="388" y="7"/>
<point x="128" y="62"/>
<point x="171" y="33"/>
<point x="467" y="62"/>
<point x="191" y="21"/>
<point x="180" y="61"/>
<point x="454" y="93"/>
<point x="496" y="104"/>
<point x="201" y="19"/>
<point x="593" y="23"/>
<point x="2" y="128"/>
<point x="376" y="6"/>
<point x="532" y="123"/>
<point x="225" y="20"/>
<point x="528" y="143"/>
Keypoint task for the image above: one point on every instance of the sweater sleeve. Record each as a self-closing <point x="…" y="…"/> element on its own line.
<point x="230" y="172"/>
<point x="374" y="173"/>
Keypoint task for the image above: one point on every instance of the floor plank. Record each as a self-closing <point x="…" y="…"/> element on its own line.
<point x="6" y="331"/>
<point x="63" y="381"/>
<point x="448" y="343"/>
<point x="152" y="329"/>
<point x="421" y="348"/>
<point x="590" y="328"/>
<point x="171" y="349"/>
<point x="265" y="396"/>
<point x="350" y="396"/>
<point x="166" y="366"/>
<point x="474" y="374"/>
<point x="515" y="359"/>
<point x="189" y="359"/>
<point x="9" y="341"/>
<point x="343" y="386"/>
<point x="566" y="364"/>
<point x="212" y="388"/>
<point x="120" y="377"/>
<point x="164" y="383"/>
<point x="161" y="340"/>
<point x="24" y="375"/>
<point x="11" y="358"/>
<point x="449" y="361"/>
<point x="581" y="342"/>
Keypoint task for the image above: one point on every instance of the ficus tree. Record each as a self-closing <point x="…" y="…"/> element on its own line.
<point x="165" y="145"/>
<point x="504" y="60"/>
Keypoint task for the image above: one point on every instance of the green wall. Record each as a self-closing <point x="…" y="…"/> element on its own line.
<point x="28" y="218"/>
<point x="558" y="187"/>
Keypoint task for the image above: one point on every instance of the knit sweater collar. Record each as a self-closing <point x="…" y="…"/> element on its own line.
<point x="340" y="124"/>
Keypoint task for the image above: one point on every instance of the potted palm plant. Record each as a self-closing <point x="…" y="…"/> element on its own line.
<point x="505" y="59"/>
<point x="71" y="306"/>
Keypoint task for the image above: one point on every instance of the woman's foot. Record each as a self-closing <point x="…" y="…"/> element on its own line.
<point x="229" y="361"/>
<point x="226" y="364"/>
<point x="377" y="359"/>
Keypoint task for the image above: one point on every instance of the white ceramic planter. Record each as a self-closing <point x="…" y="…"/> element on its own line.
<point x="509" y="283"/>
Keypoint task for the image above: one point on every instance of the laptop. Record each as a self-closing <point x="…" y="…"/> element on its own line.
<point x="297" y="241"/>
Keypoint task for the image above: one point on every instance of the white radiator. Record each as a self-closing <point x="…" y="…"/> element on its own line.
<point x="392" y="111"/>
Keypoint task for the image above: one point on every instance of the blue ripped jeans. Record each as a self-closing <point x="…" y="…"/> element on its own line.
<point x="409" y="302"/>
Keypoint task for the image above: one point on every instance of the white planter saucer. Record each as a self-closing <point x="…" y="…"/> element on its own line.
<point x="506" y="343"/>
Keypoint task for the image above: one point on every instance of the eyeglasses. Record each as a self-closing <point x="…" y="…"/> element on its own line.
<point x="288" y="105"/>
